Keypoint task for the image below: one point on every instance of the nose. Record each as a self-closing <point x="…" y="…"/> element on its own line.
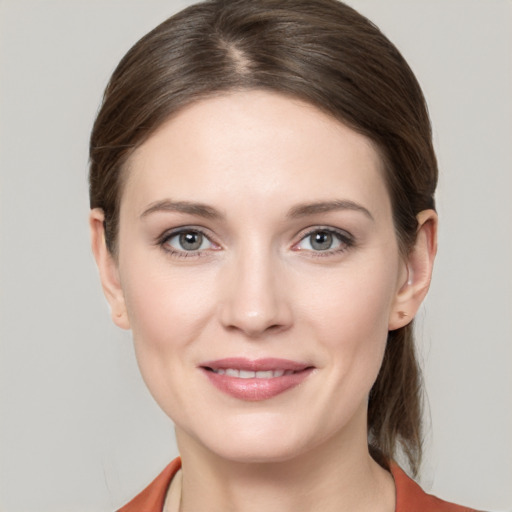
<point x="255" y="300"/>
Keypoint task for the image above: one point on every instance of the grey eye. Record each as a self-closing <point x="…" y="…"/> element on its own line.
<point x="324" y="240"/>
<point x="189" y="241"/>
<point x="321" y="240"/>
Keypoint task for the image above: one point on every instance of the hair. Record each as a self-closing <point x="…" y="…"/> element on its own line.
<point x="324" y="53"/>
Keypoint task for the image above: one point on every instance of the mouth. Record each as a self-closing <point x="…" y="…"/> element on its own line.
<point x="248" y="374"/>
<point x="255" y="380"/>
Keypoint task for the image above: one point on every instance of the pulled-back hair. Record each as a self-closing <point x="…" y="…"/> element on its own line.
<point x="322" y="52"/>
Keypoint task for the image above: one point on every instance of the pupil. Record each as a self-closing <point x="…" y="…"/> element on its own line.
<point x="191" y="241"/>
<point x="321" y="241"/>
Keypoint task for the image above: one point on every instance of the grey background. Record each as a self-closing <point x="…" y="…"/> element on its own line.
<point x="78" y="430"/>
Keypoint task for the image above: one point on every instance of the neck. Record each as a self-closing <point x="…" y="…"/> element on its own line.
<point x="334" y="477"/>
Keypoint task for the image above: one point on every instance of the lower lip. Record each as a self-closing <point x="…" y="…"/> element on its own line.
<point x="253" y="390"/>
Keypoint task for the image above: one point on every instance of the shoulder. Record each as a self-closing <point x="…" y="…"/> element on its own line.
<point x="410" y="497"/>
<point x="152" y="498"/>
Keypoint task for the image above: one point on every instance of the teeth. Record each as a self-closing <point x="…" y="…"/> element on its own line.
<point x="247" y="374"/>
<point x="264" y="375"/>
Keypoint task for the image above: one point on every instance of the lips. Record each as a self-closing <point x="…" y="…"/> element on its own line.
<point x="248" y="374"/>
<point x="255" y="380"/>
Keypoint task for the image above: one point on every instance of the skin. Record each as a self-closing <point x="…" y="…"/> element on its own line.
<point x="259" y="288"/>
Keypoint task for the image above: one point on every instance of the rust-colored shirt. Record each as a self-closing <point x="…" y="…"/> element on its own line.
<point x="409" y="495"/>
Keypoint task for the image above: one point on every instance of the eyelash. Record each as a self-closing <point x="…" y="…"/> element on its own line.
<point x="163" y="240"/>
<point x="345" y="239"/>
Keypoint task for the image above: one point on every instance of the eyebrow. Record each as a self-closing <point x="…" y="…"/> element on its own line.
<point x="305" y="209"/>
<point x="301" y="210"/>
<point x="199" y="209"/>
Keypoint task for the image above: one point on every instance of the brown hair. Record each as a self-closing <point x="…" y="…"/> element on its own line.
<point x="320" y="51"/>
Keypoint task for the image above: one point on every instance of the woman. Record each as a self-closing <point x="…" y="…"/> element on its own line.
<point x="262" y="215"/>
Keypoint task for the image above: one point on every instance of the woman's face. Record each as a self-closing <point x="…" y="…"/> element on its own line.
<point x="256" y="235"/>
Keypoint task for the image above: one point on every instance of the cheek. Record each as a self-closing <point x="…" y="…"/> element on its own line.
<point x="167" y="315"/>
<point x="349" y="312"/>
<point x="168" y="310"/>
<point x="350" y="302"/>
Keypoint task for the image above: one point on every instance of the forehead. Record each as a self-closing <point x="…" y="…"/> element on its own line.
<point x="255" y="147"/>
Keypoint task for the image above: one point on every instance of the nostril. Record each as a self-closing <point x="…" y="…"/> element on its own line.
<point x="276" y="327"/>
<point x="252" y="317"/>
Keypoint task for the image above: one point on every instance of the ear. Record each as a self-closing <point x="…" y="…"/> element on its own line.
<point x="108" y="269"/>
<point x="419" y="266"/>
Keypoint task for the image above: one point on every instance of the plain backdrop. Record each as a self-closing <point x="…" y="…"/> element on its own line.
<point x="78" y="430"/>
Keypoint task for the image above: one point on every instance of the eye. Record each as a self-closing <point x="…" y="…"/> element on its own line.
<point x="190" y="240"/>
<point x="325" y="240"/>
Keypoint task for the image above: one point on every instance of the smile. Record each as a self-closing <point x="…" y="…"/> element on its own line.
<point x="255" y="380"/>
<point x="248" y="374"/>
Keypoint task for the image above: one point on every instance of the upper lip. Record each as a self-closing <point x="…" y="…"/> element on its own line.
<point x="264" y="364"/>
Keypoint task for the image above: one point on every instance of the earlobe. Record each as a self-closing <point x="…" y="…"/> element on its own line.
<point x="419" y="266"/>
<point x="108" y="269"/>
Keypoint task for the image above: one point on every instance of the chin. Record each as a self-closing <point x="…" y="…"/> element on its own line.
<point x="253" y="439"/>
<point x="258" y="452"/>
